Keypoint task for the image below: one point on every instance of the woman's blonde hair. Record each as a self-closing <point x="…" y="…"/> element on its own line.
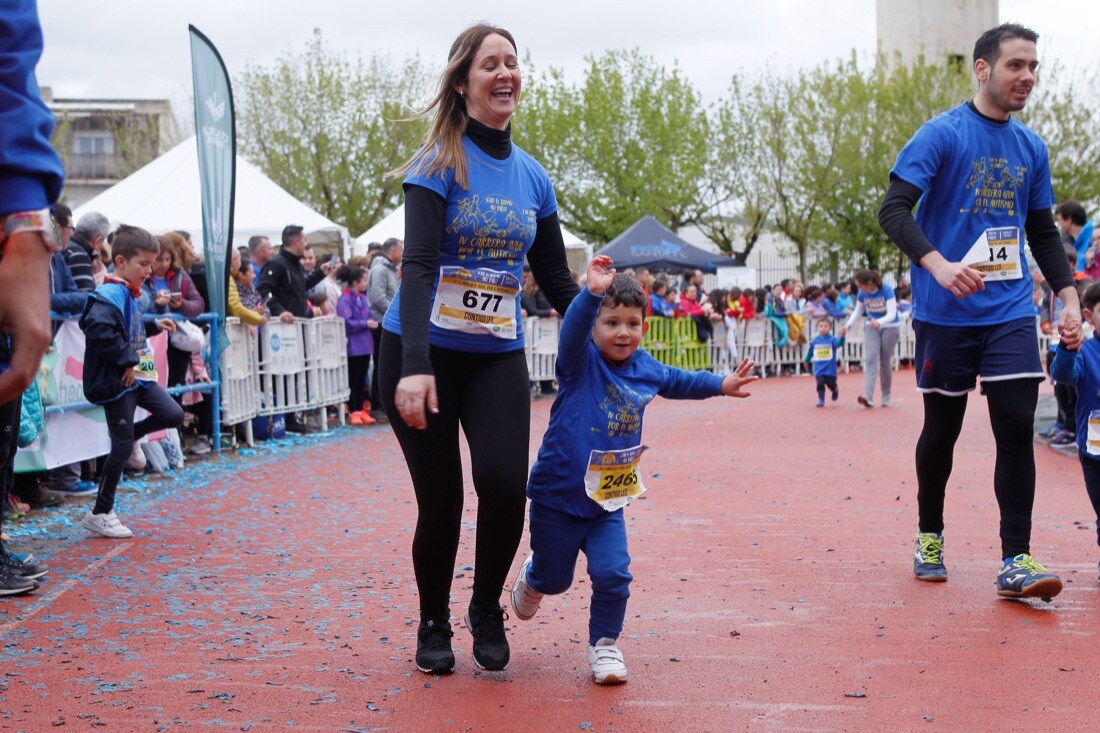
<point x="443" y="143"/>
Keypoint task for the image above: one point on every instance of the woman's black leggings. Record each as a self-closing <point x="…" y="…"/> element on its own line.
<point x="487" y="394"/>
<point x="358" y="367"/>
<point x="1012" y="416"/>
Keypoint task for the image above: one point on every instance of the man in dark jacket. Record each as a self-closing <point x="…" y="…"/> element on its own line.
<point x="284" y="280"/>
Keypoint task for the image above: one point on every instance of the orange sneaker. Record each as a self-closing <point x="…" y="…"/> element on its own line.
<point x="367" y="419"/>
<point x="356" y="418"/>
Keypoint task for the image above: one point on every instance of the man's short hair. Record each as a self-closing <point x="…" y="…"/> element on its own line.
<point x="129" y="241"/>
<point x="92" y="225"/>
<point x="63" y="214"/>
<point x="373" y="246"/>
<point x="256" y="242"/>
<point x="291" y="232"/>
<point x="390" y="244"/>
<point x="625" y="290"/>
<point x="1072" y="210"/>
<point x="988" y="46"/>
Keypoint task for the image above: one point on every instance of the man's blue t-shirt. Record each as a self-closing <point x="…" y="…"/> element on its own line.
<point x="874" y="304"/>
<point x="487" y="231"/>
<point x="977" y="175"/>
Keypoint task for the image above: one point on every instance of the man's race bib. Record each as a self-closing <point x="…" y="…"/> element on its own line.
<point x="1092" y="444"/>
<point x="476" y="301"/>
<point x="146" y="369"/>
<point x="823" y="352"/>
<point x="997" y="254"/>
<point x="612" y="480"/>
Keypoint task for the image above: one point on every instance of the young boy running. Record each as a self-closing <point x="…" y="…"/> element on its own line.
<point x="822" y="353"/>
<point x="587" y="468"/>
<point x="119" y="372"/>
<point x="1081" y="368"/>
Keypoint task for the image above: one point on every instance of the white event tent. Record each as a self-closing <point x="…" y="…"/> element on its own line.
<point x="393" y="225"/>
<point x="165" y="195"/>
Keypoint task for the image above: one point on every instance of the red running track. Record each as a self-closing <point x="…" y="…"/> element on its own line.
<point x="773" y="591"/>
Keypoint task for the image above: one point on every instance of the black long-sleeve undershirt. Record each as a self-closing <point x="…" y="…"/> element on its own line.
<point x="896" y="219"/>
<point x="424" y="213"/>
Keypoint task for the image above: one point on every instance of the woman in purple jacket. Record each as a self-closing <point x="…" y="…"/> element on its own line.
<point x="358" y="323"/>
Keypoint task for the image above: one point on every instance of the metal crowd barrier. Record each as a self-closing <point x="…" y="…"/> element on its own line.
<point x="303" y="366"/>
<point x="541" y="346"/>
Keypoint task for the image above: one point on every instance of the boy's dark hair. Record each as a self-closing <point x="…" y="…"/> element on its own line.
<point x="1071" y="255"/>
<point x="1072" y="210"/>
<point x="129" y="241"/>
<point x="317" y="298"/>
<point x="625" y="290"/>
<point x="988" y="46"/>
<point x="824" y="320"/>
<point x="659" y="287"/>
<point x="1091" y="297"/>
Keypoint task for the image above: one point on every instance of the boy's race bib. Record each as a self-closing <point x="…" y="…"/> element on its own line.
<point x="823" y="352"/>
<point x="476" y="301"/>
<point x="146" y="369"/>
<point x="612" y="480"/>
<point x="997" y="254"/>
<point x="1092" y="444"/>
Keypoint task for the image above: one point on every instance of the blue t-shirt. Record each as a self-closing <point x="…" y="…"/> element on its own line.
<point x="820" y="346"/>
<point x="976" y="174"/>
<point x="599" y="406"/>
<point x="1082" y="370"/>
<point x="488" y="227"/>
<point x="660" y="306"/>
<point x="874" y="304"/>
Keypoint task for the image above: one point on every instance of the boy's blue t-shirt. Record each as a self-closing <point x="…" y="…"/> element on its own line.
<point x="599" y="406"/>
<point x="487" y="232"/>
<point x="823" y="354"/>
<point x="1082" y="370"/>
<point x="874" y="304"/>
<point x="977" y="175"/>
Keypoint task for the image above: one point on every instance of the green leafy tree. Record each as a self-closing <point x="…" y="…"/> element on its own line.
<point x="631" y="139"/>
<point x="325" y="128"/>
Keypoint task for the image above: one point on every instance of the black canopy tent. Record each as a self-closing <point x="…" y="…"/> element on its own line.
<point x="649" y="243"/>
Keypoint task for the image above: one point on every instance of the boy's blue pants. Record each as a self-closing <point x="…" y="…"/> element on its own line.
<point x="557" y="537"/>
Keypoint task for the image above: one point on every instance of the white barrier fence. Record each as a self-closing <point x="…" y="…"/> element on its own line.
<point x="755" y="339"/>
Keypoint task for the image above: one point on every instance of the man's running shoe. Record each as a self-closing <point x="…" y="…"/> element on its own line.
<point x="1025" y="578"/>
<point x="928" y="558"/>
<point x="433" y="648"/>
<point x="525" y="599"/>
<point x="14" y="584"/>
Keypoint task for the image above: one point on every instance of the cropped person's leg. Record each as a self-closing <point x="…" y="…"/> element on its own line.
<point x="889" y="337"/>
<point x="119" y="415"/>
<point x="943" y="420"/>
<point x="163" y="411"/>
<point x="872" y="351"/>
<point x="556" y="539"/>
<point x="609" y="568"/>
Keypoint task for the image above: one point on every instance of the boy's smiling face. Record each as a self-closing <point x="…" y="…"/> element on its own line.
<point x="618" y="331"/>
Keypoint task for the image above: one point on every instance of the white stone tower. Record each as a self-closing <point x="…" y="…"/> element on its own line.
<point x="944" y="29"/>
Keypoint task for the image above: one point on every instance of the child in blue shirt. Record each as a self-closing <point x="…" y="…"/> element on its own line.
<point x="822" y="353"/>
<point x="587" y="467"/>
<point x="1082" y="370"/>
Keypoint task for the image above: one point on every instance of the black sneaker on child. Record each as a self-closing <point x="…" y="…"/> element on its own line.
<point x="486" y="625"/>
<point x="13" y="584"/>
<point x="22" y="566"/>
<point x="433" y="648"/>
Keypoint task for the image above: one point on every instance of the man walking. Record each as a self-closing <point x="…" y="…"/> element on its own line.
<point x="983" y="180"/>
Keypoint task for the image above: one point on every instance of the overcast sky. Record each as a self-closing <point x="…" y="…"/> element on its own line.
<point x="139" y="48"/>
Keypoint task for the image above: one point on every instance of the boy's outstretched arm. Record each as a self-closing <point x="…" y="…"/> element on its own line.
<point x="576" y="326"/>
<point x="732" y="384"/>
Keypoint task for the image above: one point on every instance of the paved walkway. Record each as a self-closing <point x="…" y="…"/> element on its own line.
<point x="773" y="591"/>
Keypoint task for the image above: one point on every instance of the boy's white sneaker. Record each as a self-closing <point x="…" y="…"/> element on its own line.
<point x="525" y="599"/>
<point x="606" y="661"/>
<point x="106" y="525"/>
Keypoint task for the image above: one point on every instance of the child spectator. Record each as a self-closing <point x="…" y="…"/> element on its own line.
<point x="119" y="371"/>
<point x="673" y="299"/>
<point x="587" y="468"/>
<point x="1081" y="369"/>
<point x="822" y="352"/>
<point x="748" y="304"/>
<point x="358" y="323"/>
<point x="691" y="308"/>
<point x="658" y="301"/>
<point x="832" y="303"/>
<point x="319" y="304"/>
<point x="815" y="303"/>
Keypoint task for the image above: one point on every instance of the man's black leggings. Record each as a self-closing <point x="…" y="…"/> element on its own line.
<point x="164" y="413"/>
<point x="1012" y="416"/>
<point x="487" y="394"/>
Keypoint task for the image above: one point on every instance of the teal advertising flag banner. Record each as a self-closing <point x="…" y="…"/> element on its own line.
<point x="217" y="143"/>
